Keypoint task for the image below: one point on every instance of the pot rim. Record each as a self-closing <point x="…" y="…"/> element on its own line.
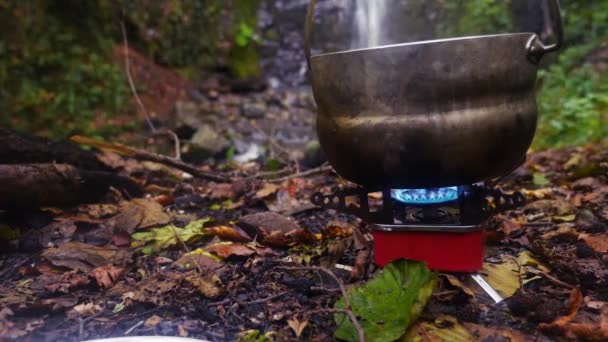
<point x="422" y="42"/>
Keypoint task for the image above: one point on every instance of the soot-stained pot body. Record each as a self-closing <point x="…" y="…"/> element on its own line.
<point x="429" y="114"/>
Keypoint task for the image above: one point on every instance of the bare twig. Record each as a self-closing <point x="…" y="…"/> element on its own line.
<point x="149" y="156"/>
<point x="270" y="174"/>
<point x="176" y="144"/>
<point x="352" y="317"/>
<point x="11" y="270"/>
<point x="83" y="321"/>
<point x="264" y="300"/>
<point x="137" y="325"/>
<point x="323" y="168"/>
<point x="320" y="269"/>
<point x="549" y="277"/>
<point x="140" y="103"/>
<point x="347" y="308"/>
<point x="142" y="108"/>
<point x="178" y="238"/>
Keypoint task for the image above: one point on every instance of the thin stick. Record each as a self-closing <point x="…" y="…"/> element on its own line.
<point x="352" y="317"/>
<point x="130" y="330"/>
<point x="347" y="310"/>
<point x="140" y="103"/>
<point x="176" y="144"/>
<point x="178" y="238"/>
<point x="320" y="169"/>
<point x="264" y="300"/>
<point x="142" y="108"/>
<point x="549" y="277"/>
<point x="149" y="156"/>
<point x="83" y="321"/>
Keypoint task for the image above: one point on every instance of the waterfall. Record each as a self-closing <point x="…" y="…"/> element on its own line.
<point x="369" y="18"/>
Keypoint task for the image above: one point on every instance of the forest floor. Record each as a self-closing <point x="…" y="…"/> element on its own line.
<point x="250" y="256"/>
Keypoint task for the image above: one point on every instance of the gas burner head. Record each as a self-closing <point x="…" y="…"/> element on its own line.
<point x="454" y="208"/>
<point x="425" y="196"/>
<point x="441" y="226"/>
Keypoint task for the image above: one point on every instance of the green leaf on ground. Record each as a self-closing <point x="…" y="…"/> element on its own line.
<point x="540" y="179"/>
<point x="164" y="237"/>
<point x="388" y="304"/>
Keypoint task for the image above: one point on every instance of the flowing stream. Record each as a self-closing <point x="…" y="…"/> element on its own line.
<point x="369" y="16"/>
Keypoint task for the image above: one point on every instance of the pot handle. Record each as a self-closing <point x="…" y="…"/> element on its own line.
<point x="308" y="27"/>
<point x="536" y="48"/>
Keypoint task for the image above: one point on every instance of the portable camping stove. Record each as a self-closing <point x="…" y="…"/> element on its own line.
<point x="441" y="226"/>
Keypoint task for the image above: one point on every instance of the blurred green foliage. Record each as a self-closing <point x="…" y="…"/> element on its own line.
<point x="244" y="58"/>
<point x="55" y="74"/>
<point x="573" y="100"/>
<point x="573" y="96"/>
<point x="464" y="18"/>
<point x="178" y="33"/>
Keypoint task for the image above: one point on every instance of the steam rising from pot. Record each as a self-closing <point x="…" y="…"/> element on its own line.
<point x="369" y="28"/>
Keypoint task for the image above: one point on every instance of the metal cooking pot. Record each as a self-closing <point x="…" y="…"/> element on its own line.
<point x="432" y="113"/>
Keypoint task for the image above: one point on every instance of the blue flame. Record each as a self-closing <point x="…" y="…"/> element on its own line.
<point x="425" y="196"/>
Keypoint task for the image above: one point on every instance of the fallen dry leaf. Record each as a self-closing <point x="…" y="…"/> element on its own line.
<point x="267" y="190"/>
<point x="510" y="225"/>
<point x="574" y="303"/>
<point x="153" y="321"/>
<point x="153" y="289"/>
<point x="274" y="229"/>
<point x="596" y="331"/>
<point x="57" y="233"/>
<point x="457" y="283"/>
<point x="503" y="276"/>
<point x="199" y="259"/>
<point x="209" y="287"/>
<point x="297" y="326"/>
<point x="444" y="328"/>
<point x="219" y="191"/>
<point x="85" y="257"/>
<point x="228" y="249"/>
<point x="64" y="282"/>
<point x="10" y="331"/>
<point x="337" y="229"/>
<point x="98" y="211"/>
<point x="106" y="275"/>
<point x="599" y="242"/>
<point x="84" y="310"/>
<point x="161" y="238"/>
<point x="228" y="233"/>
<point x="138" y="213"/>
<point x="60" y="302"/>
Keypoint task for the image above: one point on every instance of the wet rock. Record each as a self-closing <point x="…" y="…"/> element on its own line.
<point x="188" y="114"/>
<point x="253" y="110"/>
<point x="207" y="142"/>
<point x="274" y="229"/>
<point x="254" y="152"/>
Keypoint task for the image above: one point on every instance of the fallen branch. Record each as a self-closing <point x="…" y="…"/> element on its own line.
<point x="21" y="148"/>
<point x="149" y="156"/>
<point x="36" y="185"/>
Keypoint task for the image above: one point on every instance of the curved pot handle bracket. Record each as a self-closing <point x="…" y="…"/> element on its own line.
<point x="308" y="28"/>
<point x="536" y="48"/>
